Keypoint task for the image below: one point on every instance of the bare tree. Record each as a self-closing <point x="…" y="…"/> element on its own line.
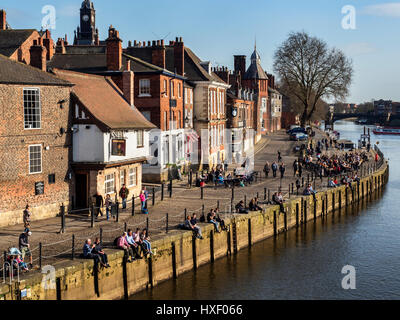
<point x="311" y="71"/>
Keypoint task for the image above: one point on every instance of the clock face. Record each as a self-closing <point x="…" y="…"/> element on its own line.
<point x="234" y="112"/>
<point x="85" y="18"/>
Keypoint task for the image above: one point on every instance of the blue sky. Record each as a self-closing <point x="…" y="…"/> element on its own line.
<point x="217" y="29"/>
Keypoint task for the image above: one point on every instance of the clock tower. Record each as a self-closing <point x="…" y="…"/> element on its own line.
<point x="87" y="34"/>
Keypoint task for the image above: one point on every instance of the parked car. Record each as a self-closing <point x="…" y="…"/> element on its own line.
<point x="298" y="136"/>
<point x="297" y="130"/>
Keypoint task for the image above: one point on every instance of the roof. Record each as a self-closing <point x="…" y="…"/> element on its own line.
<point x="195" y="72"/>
<point x="13" y="72"/>
<point x="255" y="71"/>
<point x="105" y="101"/>
<point x="81" y="62"/>
<point x="11" y="40"/>
<point x="273" y="90"/>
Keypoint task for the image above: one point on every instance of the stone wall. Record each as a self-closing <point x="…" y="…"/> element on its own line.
<point x="178" y="252"/>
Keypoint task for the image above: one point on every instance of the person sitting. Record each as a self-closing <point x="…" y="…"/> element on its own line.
<point x="331" y="184"/>
<point x="278" y="199"/>
<point x="219" y="220"/>
<point x="196" y="230"/>
<point x="124" y="245"/>
<point x="211" y="219"/>
<point x="146" y="241"/>
<point x="88" y="254"/>
<point x="240" y="208"/>
<point x="310" y="191"/>
<point x="132" y="243"/>
<point x="253" y="206"/>
<point x="98" y="249"/>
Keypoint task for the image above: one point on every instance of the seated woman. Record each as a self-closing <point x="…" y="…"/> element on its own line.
<point x="331" y="184"/>
<point x="278" y="199"/>
<point x="220" y="220"/>
<point x="196" y="230"/>
<point x="240" y="208"/>
<point x="146" y="241"/>
<point x="212" y="219"/>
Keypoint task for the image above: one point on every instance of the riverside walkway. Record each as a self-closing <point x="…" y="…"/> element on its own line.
<point x="49" y="246"/>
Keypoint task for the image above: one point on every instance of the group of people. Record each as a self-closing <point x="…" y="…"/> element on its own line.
<point x="253" y="206"/>
<point x="275" y="167"/>
<point x="107" y="202"/>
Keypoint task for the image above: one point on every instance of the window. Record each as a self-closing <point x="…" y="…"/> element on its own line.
<point x="172" y="89"/>
<point x="165" y="88"/>
<point x="52" y="178"/>
<point x="132" y="177"/>
<point x="139" y="136"/>
<point x="32" y="109"/>
<point x="165" y="120"/>
<point x="186" y="95"/>
<point x="144" y="87"/>
<point x="122" y="177"/>
<point x="118" y="147"/>
<point x="179" y="90"/>
<point x="35" y="158"/>
<point x="191" y="96"/>
<point x="147" y="115"/>
<point x="178" y="125"/>
<point x="109" y="183"/>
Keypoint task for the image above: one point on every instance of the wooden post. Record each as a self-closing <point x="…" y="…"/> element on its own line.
<point x="153" y="199"/>
<point x="166" y="223"/>
<point x="73" y="247"/>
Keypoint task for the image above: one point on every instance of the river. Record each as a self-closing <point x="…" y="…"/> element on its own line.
<point x="306" y="263"/>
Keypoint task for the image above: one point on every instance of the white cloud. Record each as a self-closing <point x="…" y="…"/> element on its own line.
<point x="359" y="48"/>
<point x="391" y="9"/>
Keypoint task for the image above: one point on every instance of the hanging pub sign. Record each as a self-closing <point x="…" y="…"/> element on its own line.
<point x="118" y="147"/>
<point x="39" y="188"/>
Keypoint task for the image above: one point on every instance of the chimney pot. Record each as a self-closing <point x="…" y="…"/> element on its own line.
<point x="3" y="20"/>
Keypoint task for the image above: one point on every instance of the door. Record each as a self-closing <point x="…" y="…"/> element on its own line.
<point x="81" y="192"/>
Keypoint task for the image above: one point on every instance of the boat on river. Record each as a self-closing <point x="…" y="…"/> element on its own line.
<point x="386" y="130"/>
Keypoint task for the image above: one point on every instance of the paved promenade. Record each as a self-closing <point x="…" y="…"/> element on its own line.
<point x="57" y="246"/>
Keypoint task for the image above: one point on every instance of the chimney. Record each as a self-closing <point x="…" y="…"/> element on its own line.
<point x="128" y="83"/>
<point x="49" y="44"/>
<point x="38" y="55"/>
<point x="3" y="20"/>
<point x="179" y="56"/>
<point x="240" y="64"/>
<point x="223" y="73"/>
<point x="271" y="80"/>
<point x="60" y="46"/>
<point x="158" y="55"/>
<point x="114" y="50"/>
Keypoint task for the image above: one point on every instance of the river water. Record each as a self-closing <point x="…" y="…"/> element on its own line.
<point x="306" y="263"/>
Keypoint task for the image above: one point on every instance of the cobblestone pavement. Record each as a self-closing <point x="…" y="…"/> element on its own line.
<point x="57" y="246"/>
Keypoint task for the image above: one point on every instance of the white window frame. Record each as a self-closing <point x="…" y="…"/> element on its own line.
<point x="140" y="144"/>
<point x="41" y="158"/>
<point x="107" y="180"/>
<point x="40" y="107"/>
<point x="122" y="177"/>
<point x="179" y="90"/>
<point x="144" y="90"/>
<point x="165" y="88"/>
<point x="132" y="172"/>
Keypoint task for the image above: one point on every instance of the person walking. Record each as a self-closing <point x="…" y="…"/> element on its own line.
<point x="266" y="169"/>
<point x="282" y="169"/>
<point x="274" y="168"/>
<point x="295" y="167"/>
<point x="98" y="204"/>
<point x="24" y="246"/>
<point x="108" y="204"/>
<point x="123" y="193"/>
<point x="27" y="217"/>
<point x="300" y="169"/>
<point x="279" y="156"/>
<point x="142" y="198"/>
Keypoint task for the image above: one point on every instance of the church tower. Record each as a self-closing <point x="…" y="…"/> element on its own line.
<point x="87" y="34"/>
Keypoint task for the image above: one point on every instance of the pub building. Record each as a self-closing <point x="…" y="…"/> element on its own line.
<point x="35" y="140"/>
<point x="110" y="139"/>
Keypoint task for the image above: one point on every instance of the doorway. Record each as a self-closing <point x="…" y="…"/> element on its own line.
<point x="81" y="192"/>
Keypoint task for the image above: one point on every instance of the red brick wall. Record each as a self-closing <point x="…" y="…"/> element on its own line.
<point x="17" y="186"/>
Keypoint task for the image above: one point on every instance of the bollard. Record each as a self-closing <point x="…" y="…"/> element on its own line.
<point x="245" y="201"/>
<point x="92" y="216"/>
<point x="162" y="191"/>
<point x="265" y="193"/>
<point x="218" y="204"/>
<point x="166" y="223"/>
<point x="101" y="235"/>
<point x="117" y="208"/>
<point x="62" y="213"/>
<point x="170" y="188"/>
<point x="289" y="190"/>
<point x="202" y="209"/>
<point x="147" y="224"/>
<point x="133" y="206"/>
<point x="302" y="181"/>
<point x="73" y="247"/>
<point x="185" y="212"/>
<point x="40" y="255"/>
<point x="201" y="193"/>
<point x="269" y="195"/>
<point x="233" y="191"/>
<point x="153" y="200"/>
<point x="125" y="226"/>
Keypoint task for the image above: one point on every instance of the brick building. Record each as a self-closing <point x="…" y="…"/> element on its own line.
<point x="110" y="136"/>
<point x="274" y="104"/>
<point x="35" y="142"/>
<point x="22" y="44"/>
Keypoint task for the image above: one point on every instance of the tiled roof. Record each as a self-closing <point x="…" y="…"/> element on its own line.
<point x="12" y="72"/>
<point x="82" y="62"/>
<point x="105" y="101"/>
<point x="11" y="40"/>
<point x="255" y="71"/>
